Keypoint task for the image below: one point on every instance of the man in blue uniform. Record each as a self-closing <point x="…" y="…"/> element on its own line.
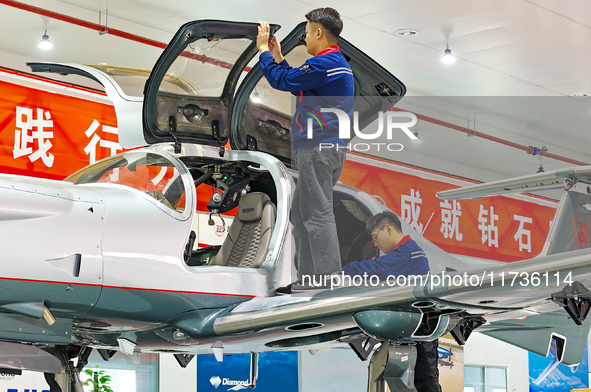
<point x="402" y="256"/>
<point x="324" y="81"/>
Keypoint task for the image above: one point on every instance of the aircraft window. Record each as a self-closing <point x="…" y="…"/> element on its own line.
<point x="150" y="173"/>
<point x="267" y="115"/>
<point x="203" y="67"/>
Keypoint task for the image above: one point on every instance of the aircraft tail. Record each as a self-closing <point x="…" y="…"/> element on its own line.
<point x="571" y="228"/>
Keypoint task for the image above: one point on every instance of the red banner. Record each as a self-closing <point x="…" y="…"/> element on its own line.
<point x="47" y="134"/>
<point x="498" y="228"/>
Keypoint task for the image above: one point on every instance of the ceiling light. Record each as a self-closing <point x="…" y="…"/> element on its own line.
<point x="418" y="137"/>
<point x="540" y="169"/>
<point x="580" y="95"/>
<point x="447" y="57"/>
<point x="45" y="43"/>
<point x="406" y="32"/>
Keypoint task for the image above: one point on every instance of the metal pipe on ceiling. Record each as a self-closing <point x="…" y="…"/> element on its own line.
<point x="471" y="132"/>
<point x="82" y="23"/>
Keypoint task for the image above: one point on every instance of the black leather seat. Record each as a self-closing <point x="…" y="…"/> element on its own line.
<point x="248" y="239"/>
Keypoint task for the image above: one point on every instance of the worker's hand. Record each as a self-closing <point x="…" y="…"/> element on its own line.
<point x="275" y="48"/>
<point x="263" y="36"/>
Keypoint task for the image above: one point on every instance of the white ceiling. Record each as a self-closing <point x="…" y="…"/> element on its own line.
<point x="505" y="48"/>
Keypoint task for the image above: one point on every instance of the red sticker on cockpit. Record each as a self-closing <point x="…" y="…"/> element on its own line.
<point x="220" y="230"/>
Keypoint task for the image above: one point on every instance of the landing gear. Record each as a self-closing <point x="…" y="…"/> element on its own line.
<point x="392" y="365"/>
<point x="69" y="378"/>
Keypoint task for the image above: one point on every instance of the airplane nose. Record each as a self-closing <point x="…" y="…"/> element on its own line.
<point x="50" y="231"/>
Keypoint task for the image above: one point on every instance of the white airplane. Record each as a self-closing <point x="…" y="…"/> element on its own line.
<point x="105" y="259"/>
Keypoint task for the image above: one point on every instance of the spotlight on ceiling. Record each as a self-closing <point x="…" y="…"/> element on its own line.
<point x="406" y="32"/>
<point x="447" y="57"/>
<point x="540" y="169"/>
<point x="45" y="43"/>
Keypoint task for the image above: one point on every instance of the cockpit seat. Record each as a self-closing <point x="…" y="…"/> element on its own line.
<point x="248" y="239"/>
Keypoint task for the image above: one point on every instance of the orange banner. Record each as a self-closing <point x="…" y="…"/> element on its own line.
<point x="498" y="228"/>
<point x="45" y="134"/>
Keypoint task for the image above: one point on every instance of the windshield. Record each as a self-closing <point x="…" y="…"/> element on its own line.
<point x="150" y="173"/>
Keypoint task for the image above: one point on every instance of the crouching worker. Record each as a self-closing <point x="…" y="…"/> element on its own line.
<point x="402" y="256"/>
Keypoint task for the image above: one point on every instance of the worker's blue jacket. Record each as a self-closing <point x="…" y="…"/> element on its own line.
<point x="407" y="259"/>
<point x="323" y="81"/>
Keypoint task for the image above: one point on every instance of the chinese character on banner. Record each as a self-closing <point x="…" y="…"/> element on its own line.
<point x="411" y="209"/>
<point x="30" y="128"/>
<point x="450" y="222"/>
<point x="91" y="147"/>
<point x="522" y="234"/>
<point x="486" y="224"/>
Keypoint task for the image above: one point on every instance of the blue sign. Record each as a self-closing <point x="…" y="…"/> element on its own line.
<point x="546" y="374"/>
<point x="26" y="390"/>
<point x="276" y="371"/>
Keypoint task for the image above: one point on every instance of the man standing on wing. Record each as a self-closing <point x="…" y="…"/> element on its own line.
<point x="324" y="81"/>
<point x="402" y="256"/>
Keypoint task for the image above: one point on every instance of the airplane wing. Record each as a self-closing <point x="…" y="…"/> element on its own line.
<point x="539" y="332"/>
<point x="526" y="303"/>
<point x="547" y="180"/>
<point x="535" y="304"/>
